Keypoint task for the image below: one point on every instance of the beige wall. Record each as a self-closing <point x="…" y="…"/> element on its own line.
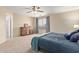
<point x="19" y="21"/>
<point x="3" y="13"/>
<point x="63" y="22"/>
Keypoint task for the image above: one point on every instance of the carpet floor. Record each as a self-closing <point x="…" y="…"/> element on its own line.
<point x="17" y="45"/>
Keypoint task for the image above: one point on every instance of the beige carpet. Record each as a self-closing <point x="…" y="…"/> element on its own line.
<point x="17" y="45"/>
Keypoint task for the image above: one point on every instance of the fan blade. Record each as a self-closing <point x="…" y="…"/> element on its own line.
<point x="40" y="11"/>
<point x="28" y="11"/>
<point x="38" y="7"/>
<point x="28" y="8"/>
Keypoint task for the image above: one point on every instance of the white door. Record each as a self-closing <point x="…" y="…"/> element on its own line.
<point x="9" y="26"/>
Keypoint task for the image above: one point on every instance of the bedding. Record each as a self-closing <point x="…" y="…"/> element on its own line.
<point x="54" y="43"/>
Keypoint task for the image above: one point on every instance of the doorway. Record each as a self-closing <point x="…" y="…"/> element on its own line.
<point x="9" y="26"/>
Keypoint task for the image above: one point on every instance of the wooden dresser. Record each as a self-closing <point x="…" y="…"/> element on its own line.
<point x="25" y="31"/>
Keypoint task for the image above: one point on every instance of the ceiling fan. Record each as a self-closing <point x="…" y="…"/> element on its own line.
<point x="34" y="9"/>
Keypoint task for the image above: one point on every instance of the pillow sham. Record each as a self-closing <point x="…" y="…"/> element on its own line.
<point x="68" y="36"/>
<point x="74" y="37"/>
<point x="76" y="31"/>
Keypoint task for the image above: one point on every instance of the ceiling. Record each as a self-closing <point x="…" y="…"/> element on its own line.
<point x="47" y="9"/>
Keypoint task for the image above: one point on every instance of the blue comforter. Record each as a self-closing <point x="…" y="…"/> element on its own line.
<point x="55" y="43"/>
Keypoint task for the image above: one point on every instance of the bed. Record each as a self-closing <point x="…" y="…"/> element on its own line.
<point x="54" y="43"/>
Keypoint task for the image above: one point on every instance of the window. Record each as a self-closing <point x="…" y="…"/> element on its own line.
<point x="42" y="25"/>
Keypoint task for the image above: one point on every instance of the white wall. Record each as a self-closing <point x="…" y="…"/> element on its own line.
<point x="19" y="21"/>
<point x="63" y="22"/>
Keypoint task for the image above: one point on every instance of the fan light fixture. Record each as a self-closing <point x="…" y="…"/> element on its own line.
<point x="36" y="12"/>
